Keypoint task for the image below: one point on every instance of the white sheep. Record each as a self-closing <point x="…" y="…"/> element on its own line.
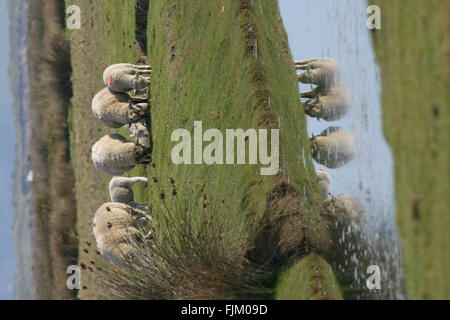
<point x="123" y="77"/>
<point x="318" y="71"/>
<point x="333" y="148"/>
<point x="121" y="190"/>
<point x="139" y="132"/>
<point x="344" y="208"/>
<point x="328" y="103"/>
<point x="115" y="109"/>
<point x="117" y="233"/>
<point x="115" y="155"/>
<point x="324" y="182"/>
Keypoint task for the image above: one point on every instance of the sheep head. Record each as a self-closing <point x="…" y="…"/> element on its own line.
<point x="314" y="107"/>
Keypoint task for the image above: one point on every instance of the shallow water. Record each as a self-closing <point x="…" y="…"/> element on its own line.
<point x="337" y="29"/>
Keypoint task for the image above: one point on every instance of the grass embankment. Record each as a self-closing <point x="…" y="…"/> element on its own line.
<point x="227" y="64"/>
<point x="54" y="241"/>
<point x="413" y="49"/>
<point x="314" y="275"/>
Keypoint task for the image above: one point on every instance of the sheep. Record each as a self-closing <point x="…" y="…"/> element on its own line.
<point x="319" y="71"/>
<point x="115" y="109"/>
<point x="120" y="190"/>
<point x="123" y="77"/>
<point x="324" y="182"/>
<point x="117" y="233"/>
<point x="345" y="208"/>
<point x="115" y="155"/>
<point x="139" y="132"/>
<point x="333" y="148"/>
<point x="328" y="103"/>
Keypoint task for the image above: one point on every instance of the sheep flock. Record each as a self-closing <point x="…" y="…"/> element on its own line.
<point x="118" y="225"/>
<point x="330" y="100"/>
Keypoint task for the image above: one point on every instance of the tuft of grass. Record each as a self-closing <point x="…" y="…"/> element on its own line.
<point x="191" y="257"/>
<point x="413" y="51"/>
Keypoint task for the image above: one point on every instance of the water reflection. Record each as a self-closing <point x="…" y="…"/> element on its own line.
<point x="337" y="29"/>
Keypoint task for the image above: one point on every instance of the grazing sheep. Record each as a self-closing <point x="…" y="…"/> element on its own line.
<point x="333" y="148"/>
<point x="318" y="71"/>
<point x="324" y="182"/>
<point x="116" y="232"/>
<point x="120" y="190"/>
<point x="115" y="109"/>
<point x="327" y="103"/>
<point x="123" y="77"/>
<point x="139" y="132"/>
<point x="345" y="208"/>
<point x="115" y="155"/>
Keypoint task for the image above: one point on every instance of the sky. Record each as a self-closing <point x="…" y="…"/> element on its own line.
<point x="7" y="143"/>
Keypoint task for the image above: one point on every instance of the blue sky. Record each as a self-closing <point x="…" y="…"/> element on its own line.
<point x="7" y="262"/>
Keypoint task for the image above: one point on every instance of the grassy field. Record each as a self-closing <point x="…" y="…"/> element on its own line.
<point x="413" y="49"/>
<point x="228" y="230"/>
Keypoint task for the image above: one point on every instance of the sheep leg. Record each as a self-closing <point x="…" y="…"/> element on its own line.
<point x="138" y="100"/>
<point x="139" y="214"/>
<point x="307" y="65"/>
<point x="142" y="223"/>
<point x="146" y="160"/>
<point x="149" y="237"/>
<point x="303" y="67"/>
<point x="144" y="71"/>
<point x="143" y="67"/>
<point x="142" y="106"/>
<point x="311" y="94"/>
<point x="302" y="62"/>
<point x="139" y="205"/>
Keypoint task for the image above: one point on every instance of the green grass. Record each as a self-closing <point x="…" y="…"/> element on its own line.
<point x="311" y="278"/>
<point x="413" y="51"/>
<point x="203" y="69"/>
